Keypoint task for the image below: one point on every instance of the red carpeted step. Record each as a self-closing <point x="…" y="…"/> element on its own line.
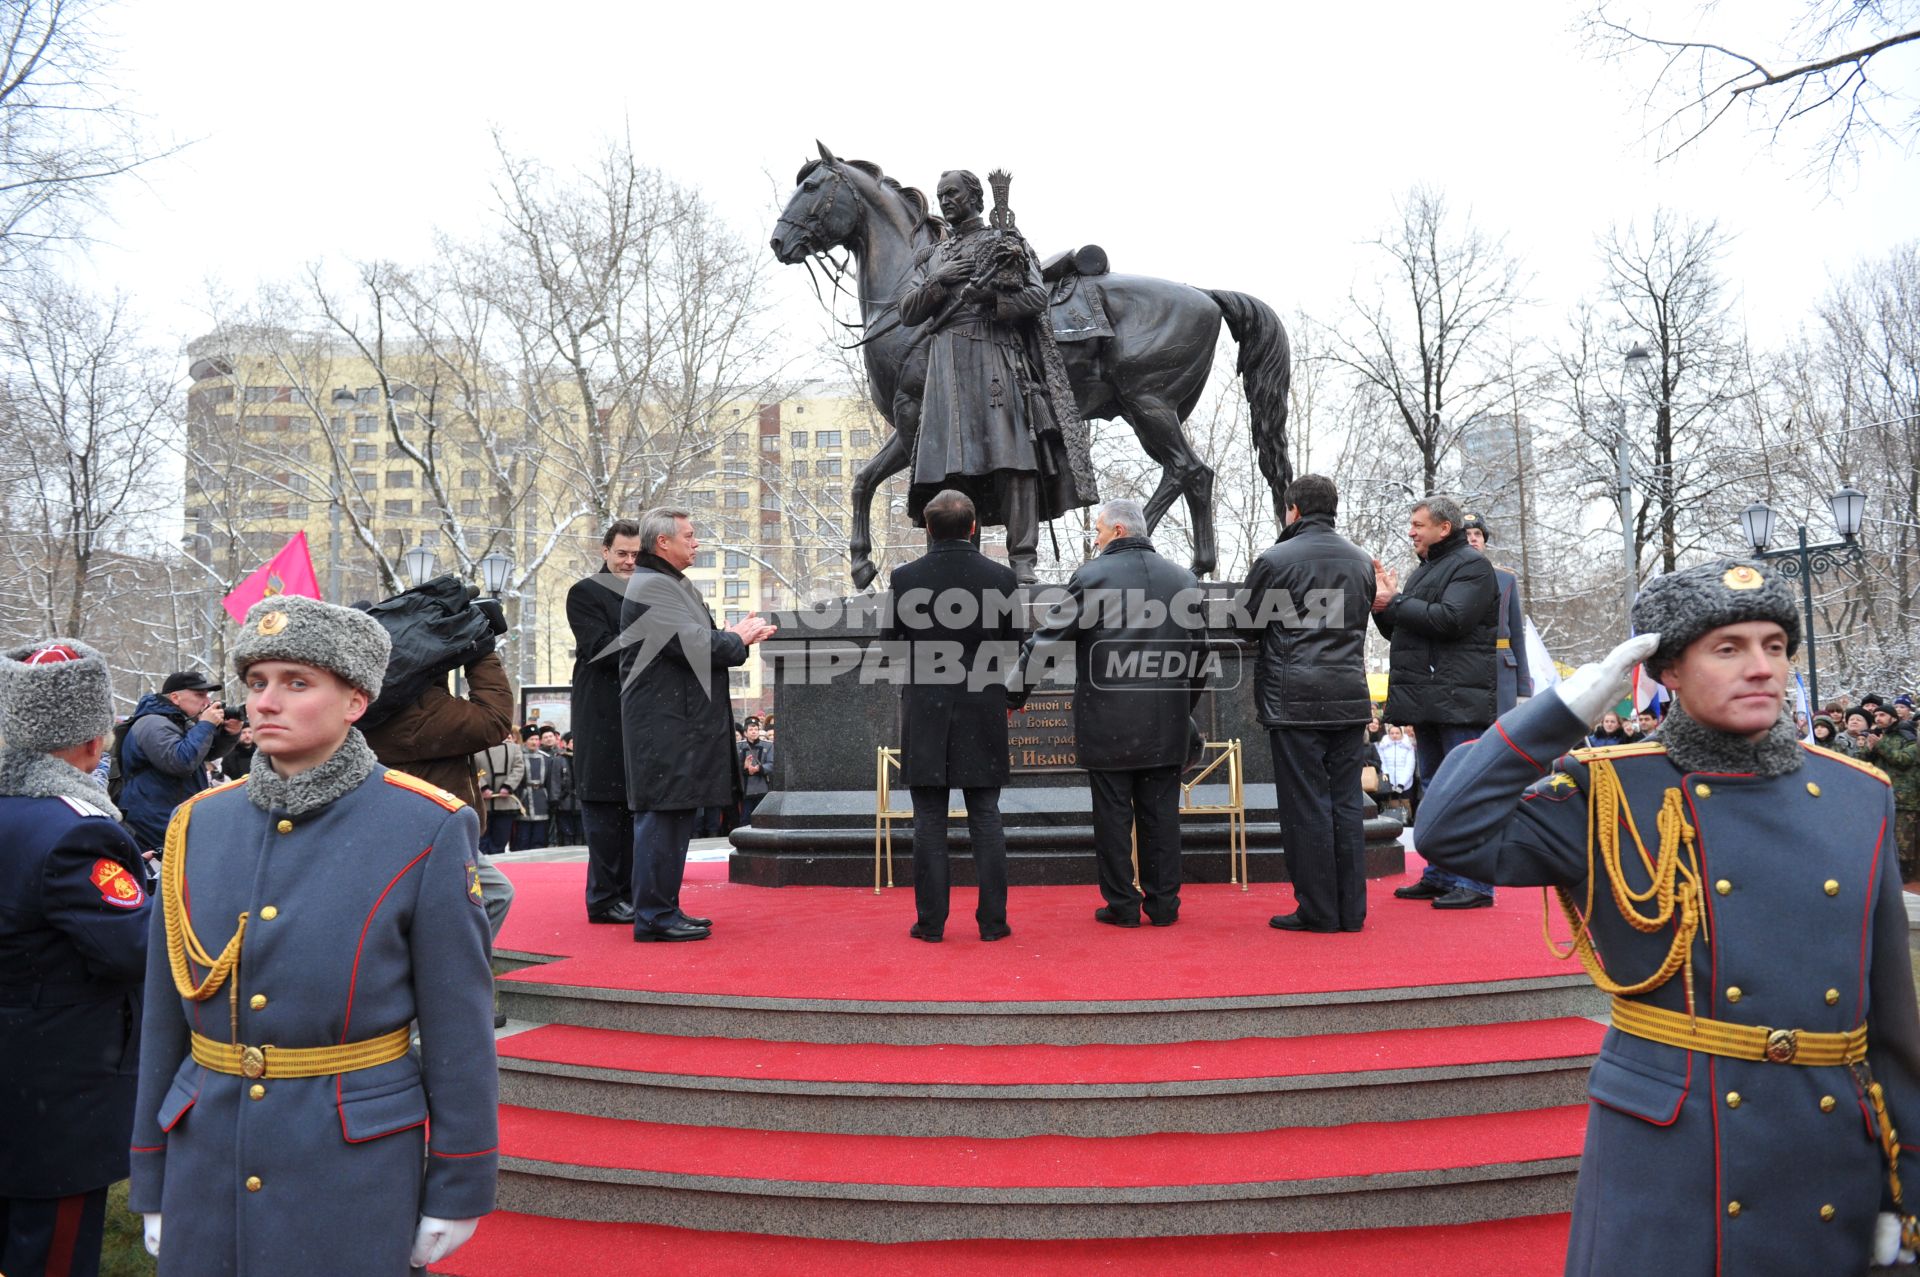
<point x="512" y="1245"/>
<point x="847" y="944"/>
<point x="1044" y="1161"/>
<point x="1030" y="1065"/>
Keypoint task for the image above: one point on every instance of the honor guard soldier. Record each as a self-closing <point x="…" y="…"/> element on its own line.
<point x="309" y="915"/>
<point x="73" y="948"/>
<point x="1511" y="677"/>
<point x="1736" y="892"/>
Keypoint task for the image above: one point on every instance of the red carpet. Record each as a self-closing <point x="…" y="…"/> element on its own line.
<point x="1096" y="1064"/>
<point x="1046" y="1161"/>
<point x="846" y="943"/>
<point x="510" y="1245"/>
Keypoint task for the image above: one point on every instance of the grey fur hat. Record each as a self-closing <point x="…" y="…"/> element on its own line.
<point x="54" y="695"/>
<point x="1683" y="605"/>
<point x="291" y="627"/>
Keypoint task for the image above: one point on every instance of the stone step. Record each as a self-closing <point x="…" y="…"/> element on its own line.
<point x="1247" y="1084"/>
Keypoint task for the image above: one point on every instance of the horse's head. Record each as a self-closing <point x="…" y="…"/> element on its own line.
<point x="823" y="212"/>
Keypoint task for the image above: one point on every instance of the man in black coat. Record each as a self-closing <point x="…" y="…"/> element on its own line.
<point x="957" y="609"/>
<point x="74" y="913"/>
<point x="599" y="752"/>
<point x="1135" y="625"/>
<point x="1441" y="678"/>
<point x="677" y="711"/>
<point x="1307" y="598"/>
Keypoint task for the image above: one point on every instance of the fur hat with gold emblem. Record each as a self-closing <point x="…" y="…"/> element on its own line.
<point x="291" y="627"/>
<point x="1683" y="605"/>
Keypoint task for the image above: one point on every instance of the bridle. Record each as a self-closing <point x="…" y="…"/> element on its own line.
<point x="836" y="271"/>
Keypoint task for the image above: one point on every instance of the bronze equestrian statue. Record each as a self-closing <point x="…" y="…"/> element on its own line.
<point x="1146" y="364"/>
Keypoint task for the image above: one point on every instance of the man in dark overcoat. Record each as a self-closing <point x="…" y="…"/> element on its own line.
<point x="599" y="736"/>
<point x="677" y="711"/>
<point x="311" y="916"/>
<point x="1307" y="600"/>
<point x="1134" y="626"/>
<point x="955" y="615"/>
<point x="1736" y="892"/>
<point x="73" y="943"/>
<point x="1512" y="679"/>
<point x="1440" y="677"/>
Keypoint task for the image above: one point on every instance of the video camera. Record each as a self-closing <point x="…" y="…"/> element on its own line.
<point x="435" y="628"/>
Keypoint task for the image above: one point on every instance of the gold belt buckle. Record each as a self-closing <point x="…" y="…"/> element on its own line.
<point x="253" y="1062"/>
<point x="1783" y="1045"/>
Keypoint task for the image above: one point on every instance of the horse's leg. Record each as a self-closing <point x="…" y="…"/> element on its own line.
<point x="1156" y="422"/>
<point x="890" y="460"/>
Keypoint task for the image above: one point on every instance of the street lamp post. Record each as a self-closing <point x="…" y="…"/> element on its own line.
<point x="494" y="570"/>
<point x="1635" y="362"/>
<point x="1808" y="561"/>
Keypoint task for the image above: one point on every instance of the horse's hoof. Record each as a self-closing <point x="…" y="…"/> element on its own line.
<point x="1203" y="567"/>
<point x="863" y="574"/>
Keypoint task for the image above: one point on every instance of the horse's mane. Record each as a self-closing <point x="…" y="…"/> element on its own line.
<point x="925" y="221"/>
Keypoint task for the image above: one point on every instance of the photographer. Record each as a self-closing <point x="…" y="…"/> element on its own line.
<point x="163" y="751"/>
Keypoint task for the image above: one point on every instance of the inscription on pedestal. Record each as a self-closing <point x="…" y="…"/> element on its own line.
<point x="1040" y="737"/>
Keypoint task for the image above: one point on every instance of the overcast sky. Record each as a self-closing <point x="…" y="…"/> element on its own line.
<point x="1211" y="143"/>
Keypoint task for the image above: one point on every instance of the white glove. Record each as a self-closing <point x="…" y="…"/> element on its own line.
<point x="153" y="1233"/>
<point x="1589" y="690"/>
<point x="1886" y="1241"/>
<point x="435" y="1239"/>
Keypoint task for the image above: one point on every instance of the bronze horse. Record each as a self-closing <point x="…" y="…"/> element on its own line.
<point x="1150" y="373"/>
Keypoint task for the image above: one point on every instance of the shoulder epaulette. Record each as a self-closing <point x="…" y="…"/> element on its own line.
<point x="1596" y="753"/>
<point x="424" y="789"/>
<point x="1854" y="763"/>
<point x="221" y="788"/>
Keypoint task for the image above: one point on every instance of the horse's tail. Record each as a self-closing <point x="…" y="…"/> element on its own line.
<point x="1266" y="369"/>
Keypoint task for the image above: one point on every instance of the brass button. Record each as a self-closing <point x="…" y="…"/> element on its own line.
<point x="1733" y="993"/>
<point x="285" y="826"/>
<point x="1813" y="789"/>
<point x="269" y="913"/>
<point x="1833" y="997"/>
<point x="1827" y="1213"/>
<point x="256" y="1092"/>
<point x="1733" y="1208"/>
<point x="1723" y="886"/>
<point x="1827" y="1103"/>
<point x="1701" y="791"/>
<point x="257" y="1001"/>
<point x="1832" y="888"/>
<point x="253" y="1183"/>
<point x="1733" y="1099"/>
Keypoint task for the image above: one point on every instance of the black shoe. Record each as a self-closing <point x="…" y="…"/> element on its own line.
<point x="499" y="1019"/>
<point x="1425" y="889"/>
<point x="990" y="934"/>
<point x="1293" y="922"/>
<point x="1358" y="926"/>
<point x="671" y="933"/>
<point x="920" y="931"/>
<point x="687" y="920"/>
<point x="1113" y="918"/>
<point x="1464" y="898"/>
<point x="619" y="912"/>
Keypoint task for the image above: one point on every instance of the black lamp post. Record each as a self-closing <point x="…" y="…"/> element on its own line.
<point x="1808" y="561"/>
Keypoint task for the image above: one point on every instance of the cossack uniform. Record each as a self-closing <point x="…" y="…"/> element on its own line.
<point x="1764" y="1042"/>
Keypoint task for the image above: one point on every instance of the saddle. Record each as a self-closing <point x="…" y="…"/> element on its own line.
<point x="1077" y="312"/>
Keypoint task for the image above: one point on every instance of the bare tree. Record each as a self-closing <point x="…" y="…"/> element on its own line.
<point x="1424" y="341"/>
<point x="1824" y="76"/>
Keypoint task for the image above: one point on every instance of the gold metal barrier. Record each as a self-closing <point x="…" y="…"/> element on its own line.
<point x="886" y="762"/>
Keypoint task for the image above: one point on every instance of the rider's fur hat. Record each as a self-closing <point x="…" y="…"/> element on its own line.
<point x="54" y="695"/>
<point x="291" y="627"/>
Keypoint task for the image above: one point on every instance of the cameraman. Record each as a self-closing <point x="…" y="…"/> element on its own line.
<point x="164" y="748"/>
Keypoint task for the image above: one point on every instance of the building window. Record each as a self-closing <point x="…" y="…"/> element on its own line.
<point x="365" y="423"/>
<point x="469" y="478"/>
<point x="700" y="498"/>
<point x="733" y="529"/>
<point x="830" y="465"/>
<point x="217" y="394"/>
<point x="703" y="558"/>
<point x="263" y="394"/>
<point x="367" y="395"/>
<point x="829" y="528"/>
<point x="798" y="438"/>
<point x="430" y="538"/>
<point x="366" y="452"/>
<point x="862" y="439"/>
<point x="470" y="507"/>
<point x="395" y="450"/>
<point x="399" y="478"/>
<point x="737" y="499"/>
<point x="736" y="441"/>
<point x="740" y="680"/>
<point x="365" y="480"/>
<point x="294" y="510"/>
<point x="737" y="559"/>
<point x="769" y="443"/>
<point x="400" y="507"/>
<point x="770" y="501"/>
<point x="826" y="438"/>
<point x="799" y="470"/>
<point x="707" y="588"/>
<point x="736" y="590"/>
<point x="405" y="394"/>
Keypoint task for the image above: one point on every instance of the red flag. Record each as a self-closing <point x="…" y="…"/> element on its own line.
<point x="288" y="572"/>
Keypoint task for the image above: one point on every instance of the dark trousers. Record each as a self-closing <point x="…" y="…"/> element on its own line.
<point x="932" y="876"/>
<point x="747" y="806"/>
<point x="498" y="835"/>
<point x="566" y="829"/>
<point x="52" y="1236"/>
<point x="532" y="834"/>
<point x="1432" y="742"/>
<point x="1316" y="790"/>
<point x="660" y="841"/>
<point x="1149" y="798"/>
<point x="609" y="831"/>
